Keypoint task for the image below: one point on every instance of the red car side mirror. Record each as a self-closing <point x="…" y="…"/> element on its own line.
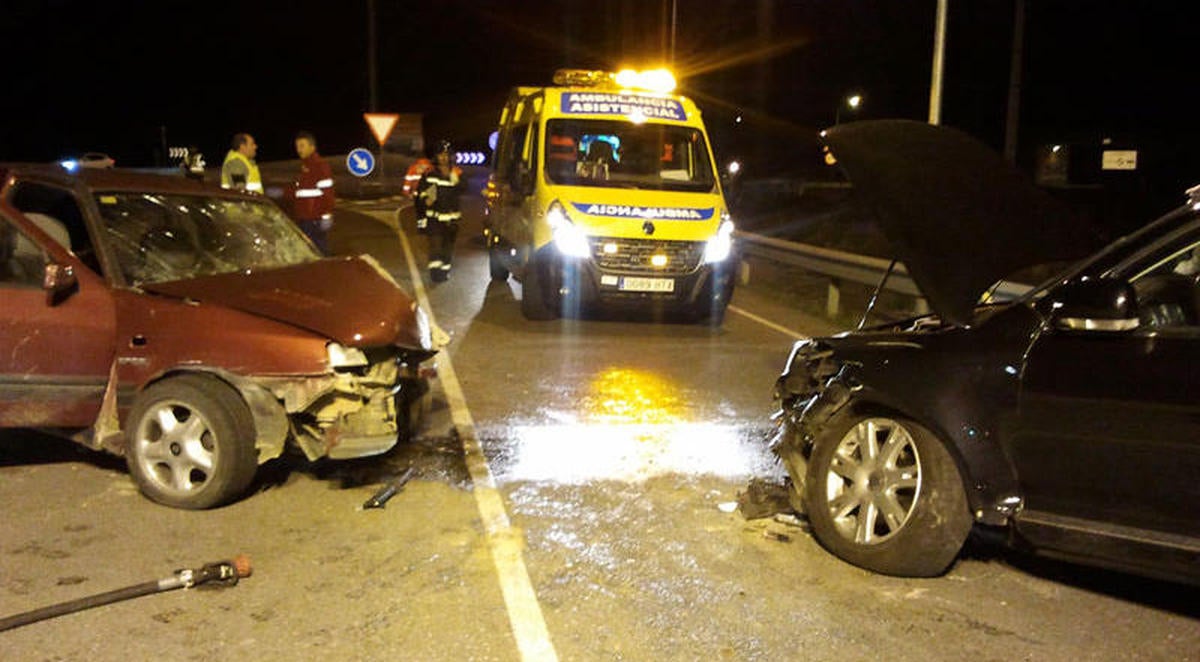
<point x="59" y="282"/>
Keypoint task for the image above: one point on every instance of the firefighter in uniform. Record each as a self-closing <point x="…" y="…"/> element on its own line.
<point x="239" y="170"/>
<point x="193" y="164"/>
<point x="412" y="178"/>
<point x="440" y="189"/>
<point x="314" y="192"/>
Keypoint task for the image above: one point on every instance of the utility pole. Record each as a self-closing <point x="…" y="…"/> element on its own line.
<point x="162" y="134"/>
<point x="939" y="53"/>
<point x="674" y="19"/>
<point x="372" y="74"/>
<point x="1012" y="120"/>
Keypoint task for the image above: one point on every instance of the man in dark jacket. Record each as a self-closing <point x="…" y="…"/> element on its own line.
<point x="441" y="188"/>
<point x="313" y="210"/>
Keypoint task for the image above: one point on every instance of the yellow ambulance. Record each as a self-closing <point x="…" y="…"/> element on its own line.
<point x="603" y="190"/>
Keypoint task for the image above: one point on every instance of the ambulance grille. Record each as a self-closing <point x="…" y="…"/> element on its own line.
<point x="634" y="255"/>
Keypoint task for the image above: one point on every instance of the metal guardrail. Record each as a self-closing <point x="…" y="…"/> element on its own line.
<point x="840" y="266"/>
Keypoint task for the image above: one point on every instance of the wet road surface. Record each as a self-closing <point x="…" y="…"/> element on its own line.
<point x="570" y="501"/>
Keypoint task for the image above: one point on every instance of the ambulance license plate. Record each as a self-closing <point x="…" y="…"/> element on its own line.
<point x="633" y="284"/>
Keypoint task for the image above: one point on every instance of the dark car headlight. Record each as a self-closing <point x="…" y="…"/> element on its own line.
<point x="809" y="366"/>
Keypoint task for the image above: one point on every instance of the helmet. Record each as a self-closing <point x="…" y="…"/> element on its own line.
<point x="444" y="147"/>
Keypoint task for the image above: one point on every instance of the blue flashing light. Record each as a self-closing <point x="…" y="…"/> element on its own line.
<point x="70" y="165"/>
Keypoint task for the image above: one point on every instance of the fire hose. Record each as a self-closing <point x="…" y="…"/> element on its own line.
<point x="219" y="574"/>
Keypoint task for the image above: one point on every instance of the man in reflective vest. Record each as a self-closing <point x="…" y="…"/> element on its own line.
<point x="440" y="189"/>
<point x="313" y="210"/>
<point x="239" y="170"/>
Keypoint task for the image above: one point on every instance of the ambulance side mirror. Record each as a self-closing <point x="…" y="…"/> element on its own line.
<point x="525" y="181"/>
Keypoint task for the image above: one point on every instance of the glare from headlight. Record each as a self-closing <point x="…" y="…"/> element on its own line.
<point x="570" y="240"/>
<point x="345" y="357"/>
<point x="423" y="329"/>
<point x="721" y="244"/>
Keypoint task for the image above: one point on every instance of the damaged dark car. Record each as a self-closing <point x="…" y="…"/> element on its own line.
<point x="195" y="331"/>
<point x="1067" y="419"/>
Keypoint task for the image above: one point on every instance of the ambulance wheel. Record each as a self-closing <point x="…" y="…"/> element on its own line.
<point x="710" y="313"/>
<point x="496" y="263"/>
<point x="533" y="293"/>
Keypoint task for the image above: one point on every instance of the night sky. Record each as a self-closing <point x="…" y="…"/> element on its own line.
<point x="111" y="77"/>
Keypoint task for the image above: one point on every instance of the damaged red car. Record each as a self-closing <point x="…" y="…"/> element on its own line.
<point x="196" y="331"/>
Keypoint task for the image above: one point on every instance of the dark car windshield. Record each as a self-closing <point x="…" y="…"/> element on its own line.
<point x="1128" y="256"/>
<point x="618" y="154"/>
<point x="159" y="238"/>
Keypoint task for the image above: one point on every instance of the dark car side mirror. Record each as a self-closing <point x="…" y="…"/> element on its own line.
<point x="59" y="282"/>
<point x="1095" y="305"/>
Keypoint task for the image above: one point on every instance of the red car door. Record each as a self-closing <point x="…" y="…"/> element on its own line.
<point x="55" y="355"/>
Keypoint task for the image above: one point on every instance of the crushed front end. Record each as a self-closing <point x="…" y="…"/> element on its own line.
<point x="368" y="400"/>
<point x="813" y="387"/>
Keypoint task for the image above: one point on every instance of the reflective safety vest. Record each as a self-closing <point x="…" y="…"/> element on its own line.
<point x="442" y="193"/>
<point x="414" y="174"/>
<point x="314" y="190"/>
<point x="253" y="179"/>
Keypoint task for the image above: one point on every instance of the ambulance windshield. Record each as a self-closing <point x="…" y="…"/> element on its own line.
<point x="620" y="154"/>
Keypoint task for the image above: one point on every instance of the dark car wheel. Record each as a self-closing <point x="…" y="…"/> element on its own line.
<point x="496" y="263"/>
<point x="191" y="442"/>
<point x="883" y="494"/>
<point x="534" y="295"/>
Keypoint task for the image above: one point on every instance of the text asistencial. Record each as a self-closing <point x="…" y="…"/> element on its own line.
<point x="600" y="103"/>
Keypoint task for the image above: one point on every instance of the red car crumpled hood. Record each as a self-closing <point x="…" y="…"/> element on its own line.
<point x="351" y="300"/>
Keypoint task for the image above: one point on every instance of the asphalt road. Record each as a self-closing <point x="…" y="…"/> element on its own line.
<point x="570" y="501"/>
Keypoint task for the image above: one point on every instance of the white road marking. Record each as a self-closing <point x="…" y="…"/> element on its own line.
<point x="505" y="542"/>
<point x="769" y="324"/>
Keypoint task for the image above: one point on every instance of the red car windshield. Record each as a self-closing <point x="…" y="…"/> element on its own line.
<point x="160" y="237"/>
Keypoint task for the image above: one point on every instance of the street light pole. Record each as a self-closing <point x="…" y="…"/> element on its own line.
<point x="1012" y="119"/>
<point x="939" y="52"/>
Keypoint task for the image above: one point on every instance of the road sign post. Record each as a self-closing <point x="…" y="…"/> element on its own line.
<point x="360" y="161"/>
<point x="381" y="125"/>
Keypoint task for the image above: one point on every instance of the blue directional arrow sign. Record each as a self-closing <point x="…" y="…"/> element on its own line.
<point x="360" y="161"/>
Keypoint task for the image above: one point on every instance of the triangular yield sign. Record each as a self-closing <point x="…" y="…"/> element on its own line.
<point x="381" y="124"/>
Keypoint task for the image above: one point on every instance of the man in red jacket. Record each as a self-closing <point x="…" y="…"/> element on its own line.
<point x="314" y="192"/>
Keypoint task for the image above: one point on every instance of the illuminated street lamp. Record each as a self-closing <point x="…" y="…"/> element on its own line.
<point x="852" y="102"/>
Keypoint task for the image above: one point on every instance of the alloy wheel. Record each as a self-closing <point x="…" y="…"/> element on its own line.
<point x="874" y="481"/>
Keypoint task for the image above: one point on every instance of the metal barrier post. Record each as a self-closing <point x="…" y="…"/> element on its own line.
<point x="834" y="301"/>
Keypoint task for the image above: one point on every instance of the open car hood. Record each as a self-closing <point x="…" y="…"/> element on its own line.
<point x="350" y="300"/>
<point x="957" y="215"/>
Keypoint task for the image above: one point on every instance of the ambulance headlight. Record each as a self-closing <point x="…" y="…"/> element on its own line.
<point x="721" y="244"/>
<point x="570" y="240"/>
<point x="341" y="356"/>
